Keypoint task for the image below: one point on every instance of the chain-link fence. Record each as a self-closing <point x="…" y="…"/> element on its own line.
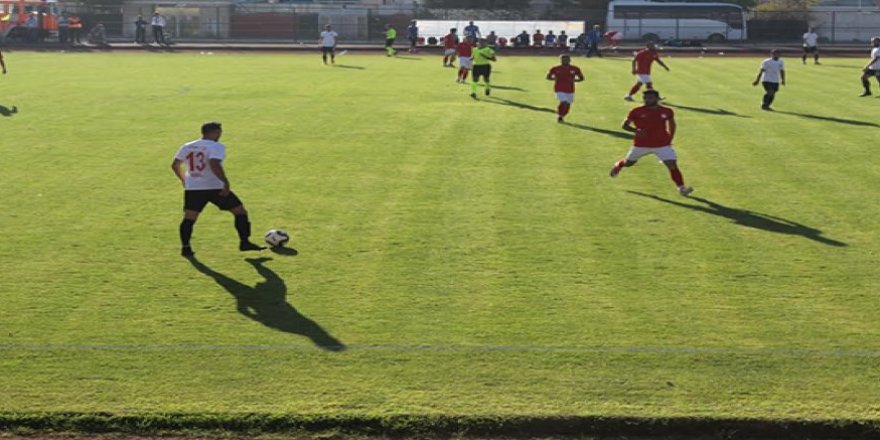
<point x="302" y="22"/>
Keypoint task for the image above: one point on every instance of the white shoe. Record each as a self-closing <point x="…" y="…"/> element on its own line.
<point x="685" y="190"/>
<point x="628" y="98"/>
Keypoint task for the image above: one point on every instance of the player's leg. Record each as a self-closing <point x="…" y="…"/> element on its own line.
<point x="332" y="55"/>
<point x="767" y="99"/>
<point x="234" y="205"/>
<point x="486" y="79"/>
<point x="668" y="156"/>
<point x="635" y="88"/>
<point x="475" y="79"/>
<point x="193" y="204"/>
<point x="804" y="58"/>
<point x="633" y="156"/>
<point x="865" y="83"/>
<point x="324" y="54"/>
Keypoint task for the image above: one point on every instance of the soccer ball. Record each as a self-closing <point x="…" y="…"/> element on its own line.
<point x="277" y="237"/>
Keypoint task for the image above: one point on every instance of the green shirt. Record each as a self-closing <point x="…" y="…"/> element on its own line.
<point x="482" y="55"/>
<point x="391" y="34"/>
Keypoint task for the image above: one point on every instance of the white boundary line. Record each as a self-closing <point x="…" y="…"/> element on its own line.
<point x="794" y="352"/>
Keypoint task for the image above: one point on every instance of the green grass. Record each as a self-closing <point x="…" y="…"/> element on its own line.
<point x="474" y="258"/>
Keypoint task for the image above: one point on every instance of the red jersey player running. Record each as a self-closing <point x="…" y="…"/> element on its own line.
<point x="565" y="76"/>
<point x="654" y="128"/>
<point x="465" y="52"/>
<point x="450" y="41"/>
<point x="641" y="68"/>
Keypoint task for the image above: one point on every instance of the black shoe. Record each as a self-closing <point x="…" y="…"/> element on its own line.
<point x="487" y="91"/>
<point x="474" y="95"/>
<point x="766" y="107"/>
<point x="248" y="246"/>
<point x="187" y="252"/>
<point x="865" y="94"/>
<point x="560" y="120"/>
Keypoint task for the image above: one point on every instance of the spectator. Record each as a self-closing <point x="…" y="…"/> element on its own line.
<point x="158" y="24"/>
<point x="412" y="34"/>
<point x="581" y="43"/>
<point x="550" y="39"/>
<point x="502" y="42"/>
<point x="563" y="40"/>
<point x="492" y="39"/>
<point x="140" y="30"/>
<point x="75" y="29"/>
<point x="97" y="36"/>
<point x="593" y="39"/>
<point x="521" y="40"/>
<point x="538" y="38"/>
<point x="613" y="38"/>
<point x="63" y="28"/>
<point x="32" y="24"/>
<point x="472" y="31"/>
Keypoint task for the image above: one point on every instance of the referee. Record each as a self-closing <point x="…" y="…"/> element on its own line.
<point x="482" y="56"/>
<point x="199" y="166"/>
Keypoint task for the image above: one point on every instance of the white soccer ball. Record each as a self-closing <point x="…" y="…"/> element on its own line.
<point x="277" y="237"/>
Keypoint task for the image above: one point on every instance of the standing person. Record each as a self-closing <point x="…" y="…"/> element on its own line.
<point x="565" y="75"/>
<point x="75" y="29"/>
<point x="199" y="166"/>
<point x="450" y="42"/>
<point x="390" y="36"/>
<point x="483" y="56"/>
<point x="465" y="51"/>
<point x="811" y="45"/>
<point x="140" y="30"/>
<point x="63" y="28"/>
<point x="594" y="37"/>
<point x="641" y="68"/>
<point x="562" y="40"/>
<point x="492" y="40"/>
<point x="872" y="68"/>
<point x="654" y="128"/>
<point x="550" y="39"/>
<point x="158" y="24"/>
<point x="412" y="34"/>
<point x="771" y="73"/>
<point x="328" y="44"/>
<point x="538" y="38"/>
<point x="472" y="31"/>
<point x="522" y="40"/>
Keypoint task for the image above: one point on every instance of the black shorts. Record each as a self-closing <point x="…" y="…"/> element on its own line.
<point x="770" y="86"/>
<point x="389" y="42"/>
<point x="484" y="70"/>
<point x="872" y="72"/>
<point x="810" y="49"/>
<point x="326" y="50"/>
<point x="413" y="42"/>
<point x="195" y="200"/>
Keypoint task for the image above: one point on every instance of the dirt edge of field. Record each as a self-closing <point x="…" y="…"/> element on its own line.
<point x="425" y="426"/>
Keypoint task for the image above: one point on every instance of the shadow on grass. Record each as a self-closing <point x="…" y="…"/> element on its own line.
<point x="267" y="304"/>
<point x="6" y="111"/>
<point x="408" y="58"/>
<point x="708" y="111"/>
<point x="750" y="219"/>
<point x="524" y="106"/>
<point x="830" y="119"/>
<point x="280" y="250"/>
<point x="347" y="66"/>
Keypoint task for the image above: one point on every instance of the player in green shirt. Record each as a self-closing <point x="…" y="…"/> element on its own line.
<point x="483" y="56"/>
<point x="390" y="36"/>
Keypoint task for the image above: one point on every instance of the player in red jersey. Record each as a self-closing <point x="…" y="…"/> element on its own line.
<point x="641" y="68"/>
<point x="465" y="52"/>
<point x="654" y="128"/>
<point x="565" y="76"/>
<point x="450" y="41"/>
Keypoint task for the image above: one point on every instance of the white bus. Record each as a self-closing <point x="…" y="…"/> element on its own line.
<point x="655" y="21"/>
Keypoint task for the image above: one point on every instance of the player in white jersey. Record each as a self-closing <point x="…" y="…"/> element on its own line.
<point x="771" y="74"/>
<point x="328" y="43"/>
<point x="199" y="166"/>
<point x="872" y="68"/>
<point x="811" y="46"/>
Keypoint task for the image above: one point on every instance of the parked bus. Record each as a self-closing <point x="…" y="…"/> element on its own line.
<point x="655" y="21"/>
<point x="14" y="14"/>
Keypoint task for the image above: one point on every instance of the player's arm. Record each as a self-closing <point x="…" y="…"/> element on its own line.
<point x="873" y="60"/>
<point x="217" y="168"/>
<point x="671" y="125"/>
<point x="758" y="78"/>
<point x="660" y="62"/>
<point x="550" y="76"/>
<point x="782" y="76"/>
<point x="634" y="65"/>
<point x="178" y="171"/>
<point x="579" y="77"/>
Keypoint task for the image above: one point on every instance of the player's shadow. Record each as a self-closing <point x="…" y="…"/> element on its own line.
<point x="751" y="219"/>
<point x="708" y="111"/>
<point x="266" y="303"/>
<point x="347" y="66"/>
<point x="512" y="88"/>
<point x="286" y="251"/>
<point x="617" y="134"/>
<point x="831" y="119"/>
<point x="524" y="106"/>
<point x="6" y="111"/>
<point x="407" y="58"/>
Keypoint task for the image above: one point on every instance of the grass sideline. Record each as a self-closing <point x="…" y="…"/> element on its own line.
<point x="429" y="426"/>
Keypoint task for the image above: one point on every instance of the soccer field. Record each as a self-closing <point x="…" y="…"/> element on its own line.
<point x="454" y="257"/>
